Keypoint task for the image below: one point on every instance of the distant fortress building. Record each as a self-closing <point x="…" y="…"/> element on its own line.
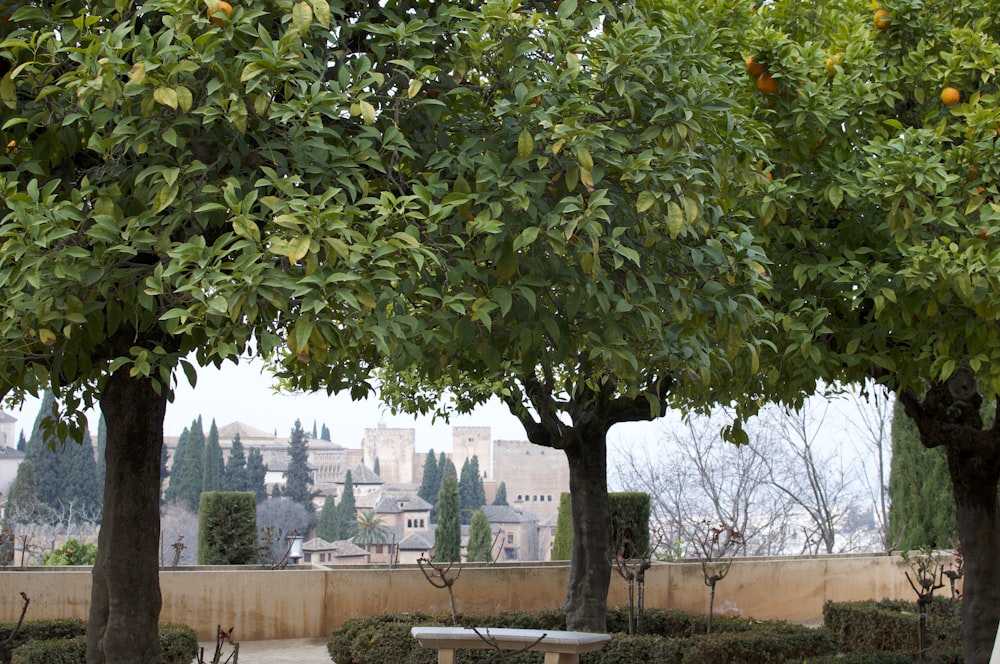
<point x="534" y="476"/>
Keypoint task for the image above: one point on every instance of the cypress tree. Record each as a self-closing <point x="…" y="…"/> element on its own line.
<point x="562" y="543"/>
<point x="102" y="447"/>
<point x="377" y="469"/>
<point x="194" y="470"/>
<point x="922" y="507"/>
<point x="257" y="474"/>
<point x="471" y="495"/>
<point x="164" y="473"/>
<point x="430" y="485"/>
<point x="172" y="494"/>
<point x="22" y="500"/>
<point x="501" y="497"/>
<point x="448" y="535"/>
<point x="347" y="511"/>
<point x="213" y="465"/>
<point x="40" y="451"/>
<point x="235" y="476"/>
<point x="480" y="539"/>
<point x="328" y="526"/>
<point x="314" y="434"/>
<point x="297" y="477"/>
<point x="22" y="442"/>
<point x="324" y="433"/>
<point x="78" y="470"/>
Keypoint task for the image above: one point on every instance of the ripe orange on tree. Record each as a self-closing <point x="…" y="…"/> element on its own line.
<point x="881" y="19"/>
<point x="767" y="84"/>
<point x="753" y="67"/>
<point x="222" y="6"/>
<point x="832" y="62"/>
<point x="950" y="96"/>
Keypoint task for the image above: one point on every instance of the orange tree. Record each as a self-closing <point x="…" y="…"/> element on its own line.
<point x="174" y="174"/>
<point x="882" y="222"/>
<point x="595" y="262"/>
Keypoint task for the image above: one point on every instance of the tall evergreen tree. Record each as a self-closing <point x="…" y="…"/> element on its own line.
<point x="173" y="492"/>
<point x="164" y="473"/>
<point x="65" y="471"/>
<point x="102" y="446"/>
<point x="922" y="507"/>
<point x="235" y="476"/>
<point x="297" y="477"/>
<point x="377" y="469"/>
<point x="501" y="497"/>
<point x="213" y="464"/>
<point x="256" y="474"/>
<point x="448" y="535"/>
<point x="328" y="525"/>
<point x="22" y="442"/>
<point x="471" y="495"/>
<point x="324" y="433"/>
<point x="314" y="434"/>
<point x="22" y="500"/>
<point x="347" y="511"/>
<point x="447" y="468"/>
<point x="430" y="485"/>
<point x="78" y="470"/>
<point x="480" y="539"/>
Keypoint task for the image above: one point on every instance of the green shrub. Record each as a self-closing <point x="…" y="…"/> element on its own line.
<point x="178" y="644"/>
<point x="227" y="528"/>
<point x="630" y="523"/>
<point x="65" y="642"/>
<point x="627" y="649"/>
<point x="892" y="626"/>
<point x="763" y="644"/>
<point x="860" y="658"/>
<point x="41" y="630"/>
<point x="73" y="552"/>
<point x="562" y="543"/>
<point x="52" y="651"/>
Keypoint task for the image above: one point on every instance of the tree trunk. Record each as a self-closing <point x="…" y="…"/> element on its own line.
<point x="590" y="568"/>
<point x="974" y="480"/>
<point x="949" y="416"/>
<point x="125" y="595"/>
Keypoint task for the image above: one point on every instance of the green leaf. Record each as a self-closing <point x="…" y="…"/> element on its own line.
<point x="367" y="112"/>
<point x="566" y="9"/>
<point x="8" y="91"/>
<point x="252" y="71"/>
<point x="164" y="197"/>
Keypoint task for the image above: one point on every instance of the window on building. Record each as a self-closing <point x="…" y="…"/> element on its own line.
<point x="534" y="498"/>
<point x="510" y="538"/>
<point x="550" y="498"/>
<point x="422" y="524"/>
<point x="519" y="498"/>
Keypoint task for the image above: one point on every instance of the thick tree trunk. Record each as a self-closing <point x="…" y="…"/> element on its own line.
<point x="590" y="568"/>
<point x="949" y="416"/>
<point x="974" y="481"/>
<point x="125" y="596"/>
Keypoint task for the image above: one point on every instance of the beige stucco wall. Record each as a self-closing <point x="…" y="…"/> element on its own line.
<point x="312" y="601"/>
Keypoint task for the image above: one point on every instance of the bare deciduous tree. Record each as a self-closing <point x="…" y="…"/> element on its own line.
<point x="871" y="423"/>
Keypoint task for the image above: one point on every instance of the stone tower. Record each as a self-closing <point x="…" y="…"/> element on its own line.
<point x="394" y="449"/>
<point x="467" y="442"/>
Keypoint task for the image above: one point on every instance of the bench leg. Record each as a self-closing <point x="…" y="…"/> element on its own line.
<point x="561" y="658"/>
<point x="446" y="656"/>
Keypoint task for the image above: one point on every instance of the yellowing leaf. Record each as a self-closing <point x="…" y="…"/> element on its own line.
<point x="573" y="62"/>
<point x="166" y="96"/>
<point x="525" y="144"/>
<point x="367" y="112"/>
<point x="302" y="15"/>
<point x="184" y="99"/>
<point x="414" y="89"/>
<point x="675" y="220"/>
<point x="321" y="11"/>
<point x="164" y="197"/>
<point x="47" y="337"/>
<point x="645" y="201"/>
<point x="298" y="248"/>
<point x="252" y="71"/>
<point x="138" y="73"/>
<point x="584" y="159"/>
<point x="8" y="92"/>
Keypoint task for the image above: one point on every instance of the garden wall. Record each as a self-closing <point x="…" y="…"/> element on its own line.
<point x="310" y="601"/>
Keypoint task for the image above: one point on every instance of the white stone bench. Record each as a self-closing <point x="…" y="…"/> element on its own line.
<point x="559" y="647"/>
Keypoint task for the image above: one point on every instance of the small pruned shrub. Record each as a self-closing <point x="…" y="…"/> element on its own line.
<point x="227" y="528"/>
<point x="860" y="658"/>
<point x="178" y="644"/>
<point x="763" y="644"/>
<point x="892" y="625"/>
<point x="342" y="641"/>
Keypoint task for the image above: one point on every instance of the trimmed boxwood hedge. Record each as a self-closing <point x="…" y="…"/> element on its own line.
<point x="679" y="639"/>
<point x="65" y="642"/>
<point x="892" y="626"/>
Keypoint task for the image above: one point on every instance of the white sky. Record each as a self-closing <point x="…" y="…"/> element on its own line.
<point x="244" y="393"/>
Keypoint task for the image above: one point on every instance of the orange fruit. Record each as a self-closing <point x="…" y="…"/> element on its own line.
<point x="224" y="7"/>
<point x="753" y="67"/>
<point x="881" y="19"/>
<point x="832" y="62"/>
<point x="11" y="146"/>
<point x="950" y="96"/>
<point x="767" y="84"/>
